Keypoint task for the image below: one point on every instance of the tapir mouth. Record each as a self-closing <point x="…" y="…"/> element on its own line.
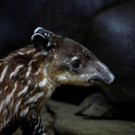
<point x="96" y="82"/>
<point x="102" y="79"/>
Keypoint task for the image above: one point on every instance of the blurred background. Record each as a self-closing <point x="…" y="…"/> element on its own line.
<point x="107" y="28"/>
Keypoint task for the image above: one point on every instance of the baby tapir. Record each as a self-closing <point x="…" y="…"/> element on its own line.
<point x="29" y="76"/>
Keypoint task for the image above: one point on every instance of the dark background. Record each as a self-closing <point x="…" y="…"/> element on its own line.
<point x="18" y="19"/>
<point x="106" y="27"/>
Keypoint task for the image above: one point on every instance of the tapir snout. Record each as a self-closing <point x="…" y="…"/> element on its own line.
<point x="102" y="74"/>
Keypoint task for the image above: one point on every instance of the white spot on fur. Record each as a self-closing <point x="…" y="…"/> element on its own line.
<point x="45" y="72"/>
<point x="84" y="75"/>
<point x="39" y="130"/>
<point x="3" y="73"/>
<point x="16" y="71"/>
<point x="43" y="83"/>
<point x="38" y="71"/>
<point x="24" y="112"/>
<point x="20" y="53"/>
<point x="30" y="63"/>
<point x="22" y="49"/>
<point x="17" y="106"/>
<point x="30" y="51"/>
<point x="23" y="91"/>
<point x="37" y="54"/>
<point x="55" y="56"/>
<point x="6" y="88"/>
<point x="45" y="34"/>
<point x="35" y="97"/>
<point x="49" y="44"/>
<point x="28" y="71"/>
<point x="62" y="78"/>
<point x="44" y="52"/>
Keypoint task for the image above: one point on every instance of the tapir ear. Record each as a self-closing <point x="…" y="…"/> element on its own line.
<point x="40" y="40"/>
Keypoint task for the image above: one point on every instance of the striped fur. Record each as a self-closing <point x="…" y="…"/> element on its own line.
<point x="19" y="92"/>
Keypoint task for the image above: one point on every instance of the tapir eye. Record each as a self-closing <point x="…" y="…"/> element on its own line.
<point x="76" y="63"/>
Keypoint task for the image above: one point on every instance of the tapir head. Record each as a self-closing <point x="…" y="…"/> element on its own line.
<point x="68" y="62"/>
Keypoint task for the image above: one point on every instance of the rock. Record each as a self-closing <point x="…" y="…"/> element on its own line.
<point x="66" y="123"/>
<point x="76" y="126"/>
<point x="61" y="108"/>
<point x="95" y="105"/>
<point x="47" y="121"/>
<point x="18" y="132"/>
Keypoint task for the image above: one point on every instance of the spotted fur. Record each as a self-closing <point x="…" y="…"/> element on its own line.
<point x="29" y="76"/>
